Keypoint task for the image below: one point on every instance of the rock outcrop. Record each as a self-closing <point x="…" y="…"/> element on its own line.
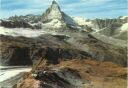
<point x="76" y="74"/>
<point x="15" y="24"/>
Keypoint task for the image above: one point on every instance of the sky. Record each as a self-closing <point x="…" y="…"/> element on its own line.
<point x="79" y="8"/>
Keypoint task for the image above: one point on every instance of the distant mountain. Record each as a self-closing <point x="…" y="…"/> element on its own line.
<point x="28" y="21"/>
<point x="113" y="27"/>
<point x="54" y="13"/>
<point x="53" y="19"/>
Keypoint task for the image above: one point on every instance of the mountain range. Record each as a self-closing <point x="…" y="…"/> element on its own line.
<point x="54" y="44"/>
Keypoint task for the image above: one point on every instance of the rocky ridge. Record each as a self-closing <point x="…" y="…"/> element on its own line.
<point x="75" y="74"/>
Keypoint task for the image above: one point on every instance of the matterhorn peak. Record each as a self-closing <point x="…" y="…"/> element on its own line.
<point x="53" y="12"/>
<point x="54" y="2"/>
<point x="55" y="5"/>
<point x="54" y="15"/>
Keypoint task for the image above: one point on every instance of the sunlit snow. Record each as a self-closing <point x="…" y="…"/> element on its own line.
<point x="6" y="74"/>
<point x="124" y="27"/>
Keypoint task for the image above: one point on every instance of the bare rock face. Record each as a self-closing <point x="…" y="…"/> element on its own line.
<point x="55" y="78"/>
<point x="11" y="55"/>
<point x="54" y="55"/>
<point x="15" y="24"/>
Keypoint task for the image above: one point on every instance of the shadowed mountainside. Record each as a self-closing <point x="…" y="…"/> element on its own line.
<point x="25" y="51"/>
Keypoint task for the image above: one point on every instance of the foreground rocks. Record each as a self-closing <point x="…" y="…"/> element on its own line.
<point x="55" y="78"/>
<point x="62" y="61"/>
<point x="76" y="74"/>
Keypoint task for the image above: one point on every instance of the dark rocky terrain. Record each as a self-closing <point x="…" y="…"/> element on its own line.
<point x="75" y="73"/>
<point x="25" y="51"/>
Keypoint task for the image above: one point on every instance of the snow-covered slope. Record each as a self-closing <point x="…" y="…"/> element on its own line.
<point x="123" y="32"/>
<point x="82" y="21"/>
<point x="55" y="23"/>
<point x="124" y="17"/>
<point x="7" y="74"/>
<point x="124" y="27"/>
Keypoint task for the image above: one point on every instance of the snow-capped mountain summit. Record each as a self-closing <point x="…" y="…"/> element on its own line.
<point x="54" y="18"/>
<point x="54" y="15"/>
<point x="53" y="12"/>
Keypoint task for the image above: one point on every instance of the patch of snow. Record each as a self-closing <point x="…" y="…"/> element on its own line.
<point x="82" y="21"/>
<point x="6" y="74"/>
<point x="55" y="23"/>
<point x="124" y="27"/>
<point x="124" y="17"/>
<point x="55" y="12"/>
<point x="33" y="24"/>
